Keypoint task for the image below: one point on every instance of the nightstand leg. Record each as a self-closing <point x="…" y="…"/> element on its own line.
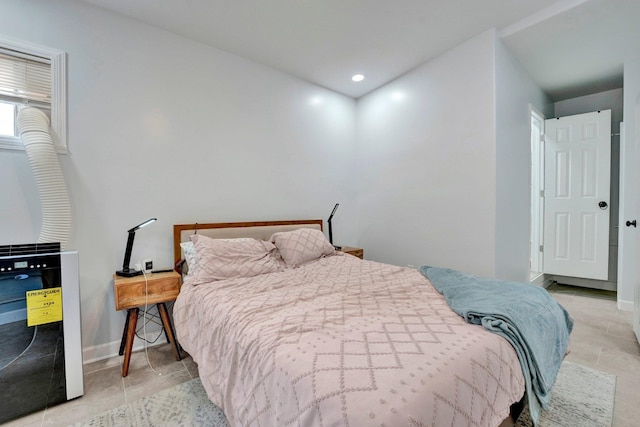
<point x="132" y="320"/>
<point x="168" y="329"/>
<point x="123" y="342"/>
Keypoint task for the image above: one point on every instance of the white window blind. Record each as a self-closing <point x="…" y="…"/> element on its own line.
<point x="24" y="78"/>
<point x="35" y="75"/>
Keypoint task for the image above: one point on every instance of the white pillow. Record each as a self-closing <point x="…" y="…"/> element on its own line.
<point x="189" y="254"/>
<point x="302" y="245"/>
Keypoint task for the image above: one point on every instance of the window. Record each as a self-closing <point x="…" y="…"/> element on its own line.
<point x="32" y="75"/>
<point x="7" y="119"/>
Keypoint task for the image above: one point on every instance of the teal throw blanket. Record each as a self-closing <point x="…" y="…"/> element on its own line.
<point x="526" y="315"/>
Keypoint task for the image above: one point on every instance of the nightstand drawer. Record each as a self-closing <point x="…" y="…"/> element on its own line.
<point x="132" y="291"/>
<point x="357" y="252"/>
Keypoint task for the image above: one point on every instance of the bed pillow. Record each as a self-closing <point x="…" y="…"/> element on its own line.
<point x="219" y="259"/>
<point x="302" y="245"/>
<point x="189" y="254"/>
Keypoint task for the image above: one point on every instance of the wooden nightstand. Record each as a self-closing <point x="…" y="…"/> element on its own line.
<point x="131" y="293"/>
<point x="357" y="252"/>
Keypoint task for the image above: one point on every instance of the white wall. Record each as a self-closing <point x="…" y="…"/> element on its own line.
<point x="444" y="163"/>
<point x="426" y="153"/>
<point x="163" y="126"/>
<point x="515" y="92"/>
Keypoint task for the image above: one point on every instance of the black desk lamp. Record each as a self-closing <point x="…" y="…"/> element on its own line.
<point x="335" y="208"/>
<point x="126" y="271"/>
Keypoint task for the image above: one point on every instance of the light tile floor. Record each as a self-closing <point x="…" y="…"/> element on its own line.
<point x="602" y="339"/>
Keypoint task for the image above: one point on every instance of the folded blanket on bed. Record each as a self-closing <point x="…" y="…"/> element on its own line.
<point x="526" y="315"/>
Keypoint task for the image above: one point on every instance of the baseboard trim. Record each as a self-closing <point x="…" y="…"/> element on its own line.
<point x="604" y="285"/>
<point x="544" y="280"/>
<point x="625" y="305"/>
<point x="112" y="349"/>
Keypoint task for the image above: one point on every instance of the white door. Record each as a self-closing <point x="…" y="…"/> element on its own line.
<point x="577" y="176"/>
<point x="627" y="233"/>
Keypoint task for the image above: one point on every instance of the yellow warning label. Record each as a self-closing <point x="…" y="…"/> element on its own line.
<point x="44" y="306"/>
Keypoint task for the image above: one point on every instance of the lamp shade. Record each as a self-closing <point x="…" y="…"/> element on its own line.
<point x="143" y="224"/>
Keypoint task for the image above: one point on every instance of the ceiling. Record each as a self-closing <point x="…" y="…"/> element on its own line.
<point x="568" y="46"/>
<point x="578" y="51"/>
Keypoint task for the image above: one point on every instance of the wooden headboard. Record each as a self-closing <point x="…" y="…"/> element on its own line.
<point x="228" y="230"/>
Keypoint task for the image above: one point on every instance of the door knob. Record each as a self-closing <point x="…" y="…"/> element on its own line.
<point x="603" y="205"/>
<point x="630" y="223"/>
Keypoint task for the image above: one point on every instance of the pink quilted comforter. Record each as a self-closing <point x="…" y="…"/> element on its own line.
<point x="344" y="342"/>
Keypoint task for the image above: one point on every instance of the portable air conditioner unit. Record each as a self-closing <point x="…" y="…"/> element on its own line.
<point x="41" y="355"/>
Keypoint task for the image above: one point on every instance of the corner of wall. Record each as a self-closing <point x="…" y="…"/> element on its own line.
<point x="515" y="92"/>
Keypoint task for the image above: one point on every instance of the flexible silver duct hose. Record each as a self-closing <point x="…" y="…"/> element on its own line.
<point x="33" y="126"/>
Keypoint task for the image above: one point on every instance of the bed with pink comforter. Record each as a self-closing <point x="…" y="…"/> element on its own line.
<point x="339" y="341"/>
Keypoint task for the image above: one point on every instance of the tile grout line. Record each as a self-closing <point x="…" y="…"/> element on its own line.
<point x="124" y="390"/>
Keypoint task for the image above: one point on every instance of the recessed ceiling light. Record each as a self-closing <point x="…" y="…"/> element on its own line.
<point x="357" y="78"/>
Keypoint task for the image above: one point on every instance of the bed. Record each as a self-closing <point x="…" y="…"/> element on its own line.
<point x="329" y="339"/>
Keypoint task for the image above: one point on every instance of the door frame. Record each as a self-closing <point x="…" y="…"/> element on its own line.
<point x="628" y="241"/>
<point x="536" y="226"/>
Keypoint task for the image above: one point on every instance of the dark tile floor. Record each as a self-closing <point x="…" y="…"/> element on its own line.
<point x="602" y="339"/>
